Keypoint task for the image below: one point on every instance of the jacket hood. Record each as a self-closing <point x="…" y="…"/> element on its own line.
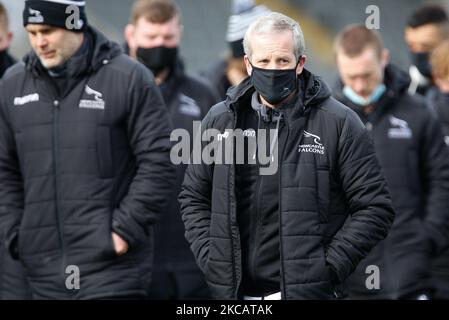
<point x="314" y="90"/>
<point x="103" y="49"/>
<point x="396" y="79"/>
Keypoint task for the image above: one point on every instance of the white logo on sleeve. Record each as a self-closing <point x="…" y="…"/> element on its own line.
<point x="20" y="101"/>
<point x="315" y="147"/>
<point x="96" y="103"/>
<point x="399" y="130"/>
<point x="35" y="16"/>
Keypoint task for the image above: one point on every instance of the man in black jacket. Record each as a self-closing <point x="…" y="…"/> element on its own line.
<point x="271" y="234"/>
<point x="410" y="147"/>
<point x="84" y="160"/>
<point x="13" y="284"/>
<point x="153" y="37"/>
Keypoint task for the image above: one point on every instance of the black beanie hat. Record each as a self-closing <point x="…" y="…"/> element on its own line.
<point x="56" y="13"/>
<point x="245" y="12"/>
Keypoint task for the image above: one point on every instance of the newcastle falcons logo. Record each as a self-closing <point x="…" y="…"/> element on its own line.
<point x="97" y="103"/>
<point x="35" y="16"/>
<point x="309" y="135"/>
<point x="317" y="147"/>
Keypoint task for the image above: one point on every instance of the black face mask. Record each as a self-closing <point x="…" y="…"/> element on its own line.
<point x="274" y="85"/>
<point x="158" y="58"/>
<point x="421" y="61"/>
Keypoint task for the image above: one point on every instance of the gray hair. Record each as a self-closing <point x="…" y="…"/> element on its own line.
<point x="275" y="22"/>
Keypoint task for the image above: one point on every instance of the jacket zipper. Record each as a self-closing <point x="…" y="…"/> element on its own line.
<point x="258" y="219"/>
<point x="256" y="230"/>
<point x="56" y="182"/>
<point x="281" y="256"/>
<point x="231" y="196"/>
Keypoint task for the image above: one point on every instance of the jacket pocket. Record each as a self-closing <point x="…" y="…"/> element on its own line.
<point x="107" y="249"/>
<point x="105" y="158"/>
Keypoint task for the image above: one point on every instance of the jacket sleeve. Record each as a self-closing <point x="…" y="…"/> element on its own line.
<point x="149" y="128"/>
<point x="367" y="195"/>
<point x="11" y="183"/>
<point x="434" y="160"/>
<point x="195" y="204"/>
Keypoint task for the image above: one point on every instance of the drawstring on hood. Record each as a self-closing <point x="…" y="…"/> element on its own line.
<point x="276" y="133"/>
<point x="266" y="114"/>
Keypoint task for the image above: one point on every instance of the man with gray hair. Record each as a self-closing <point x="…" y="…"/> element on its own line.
<point x="283" y="235"/>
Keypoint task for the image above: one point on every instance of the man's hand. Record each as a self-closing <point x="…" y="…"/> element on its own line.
<point x="120" y="245"/>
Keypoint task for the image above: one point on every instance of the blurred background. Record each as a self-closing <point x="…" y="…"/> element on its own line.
<point x="205" y="23"/>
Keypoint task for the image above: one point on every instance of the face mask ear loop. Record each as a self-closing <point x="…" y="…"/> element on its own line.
<point x="298" y="62"/>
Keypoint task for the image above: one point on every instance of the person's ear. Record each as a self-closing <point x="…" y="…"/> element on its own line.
<point x="301" y="64"/>
<point x="181" y="31"/>
<point x="385" y="58"/>
<point x="129" y="33"/>
<point x="7" y="42"/>
<point x="249" y="68"/>
<point x="9" y="37"/>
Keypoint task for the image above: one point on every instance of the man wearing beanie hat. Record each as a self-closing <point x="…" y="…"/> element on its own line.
<point x="84" y="160"/>
<point x="231" y="70"/>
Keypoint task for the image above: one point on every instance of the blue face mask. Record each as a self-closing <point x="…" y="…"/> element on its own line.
<point x="359" y="100"/>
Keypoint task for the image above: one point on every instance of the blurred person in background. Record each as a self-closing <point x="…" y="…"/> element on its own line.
<point x="230" y="70"/>
<point x="427" y="27"/>
<point x="153" y="37"/>
<point x="5" y="41"/>
<point x="13" y="283"/>
<point x="84" y="159"/>
<point x="439" y="61"/>
<point x="410" y="147"/>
